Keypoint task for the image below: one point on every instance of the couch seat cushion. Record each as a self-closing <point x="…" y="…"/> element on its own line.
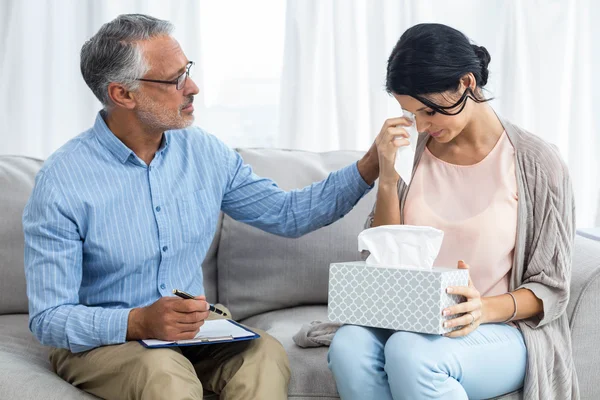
<point x="24" y="367"/>
<point x="311" y="377"/>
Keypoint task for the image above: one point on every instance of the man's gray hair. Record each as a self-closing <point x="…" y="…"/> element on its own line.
<point x="113" y="54"/>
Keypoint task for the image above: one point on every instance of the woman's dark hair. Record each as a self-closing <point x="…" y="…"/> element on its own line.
<point x="432" y="58"/>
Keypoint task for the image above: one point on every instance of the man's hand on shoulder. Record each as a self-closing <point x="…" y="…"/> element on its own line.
<point x="169" y="318"/>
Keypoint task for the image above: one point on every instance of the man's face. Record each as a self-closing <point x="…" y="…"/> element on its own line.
<point x="161" y="106"/>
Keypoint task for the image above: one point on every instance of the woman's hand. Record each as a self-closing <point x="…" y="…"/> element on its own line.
<point x="391" y="137"/>
<point x="472" y="308"/>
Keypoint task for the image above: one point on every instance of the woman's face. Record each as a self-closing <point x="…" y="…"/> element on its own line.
<point x="443" y="128"/>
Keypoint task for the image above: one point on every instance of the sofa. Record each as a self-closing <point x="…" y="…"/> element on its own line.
<point x="267" y="282"/>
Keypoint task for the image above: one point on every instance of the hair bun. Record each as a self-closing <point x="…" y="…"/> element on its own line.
<point x="484" y="60"/>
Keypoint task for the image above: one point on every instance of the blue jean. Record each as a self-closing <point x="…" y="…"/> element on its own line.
<point x="371" y="363"/>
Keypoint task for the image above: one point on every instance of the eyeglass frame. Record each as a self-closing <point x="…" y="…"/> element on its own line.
<point x="174" y="81"/>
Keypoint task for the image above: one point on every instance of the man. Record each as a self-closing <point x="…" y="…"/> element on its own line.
<point x="125" y="212"/>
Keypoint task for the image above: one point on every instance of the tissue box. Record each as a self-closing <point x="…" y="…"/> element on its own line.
<point x="393" y="298"/>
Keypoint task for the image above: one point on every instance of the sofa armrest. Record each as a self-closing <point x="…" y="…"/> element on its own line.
<point x="585" y="270"/>
<point x="590" y="233"/>
<point x="584" y="314"/>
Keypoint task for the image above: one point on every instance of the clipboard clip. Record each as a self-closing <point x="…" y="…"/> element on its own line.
<point x="205" y="339"/>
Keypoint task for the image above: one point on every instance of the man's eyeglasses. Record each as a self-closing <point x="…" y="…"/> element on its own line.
<point x="179" y="81"/>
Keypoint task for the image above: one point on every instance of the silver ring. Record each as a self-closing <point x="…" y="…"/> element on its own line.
<point x="471" y="314"/>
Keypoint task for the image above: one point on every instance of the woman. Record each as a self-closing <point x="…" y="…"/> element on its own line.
<point x="504" y="201"/>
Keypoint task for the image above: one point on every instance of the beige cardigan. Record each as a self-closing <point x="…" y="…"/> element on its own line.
<point x="542" y="263"/>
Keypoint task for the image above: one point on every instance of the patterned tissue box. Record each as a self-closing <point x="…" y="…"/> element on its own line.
<point x="393" y="298"/>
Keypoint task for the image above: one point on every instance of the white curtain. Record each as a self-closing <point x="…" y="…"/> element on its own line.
<point x="544" y="54"/>
<point x="237" y="46"/>
<point x="44" y="100"/>
<point x="309" y="74"/>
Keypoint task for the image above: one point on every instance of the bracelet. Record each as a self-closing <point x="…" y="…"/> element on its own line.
<point x="515" y="303"/>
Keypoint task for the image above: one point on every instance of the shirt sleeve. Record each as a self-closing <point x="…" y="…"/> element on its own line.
<point x="53" y="269"/>
<point x="261" y="203"/>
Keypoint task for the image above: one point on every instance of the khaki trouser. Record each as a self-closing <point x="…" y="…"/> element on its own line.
<point x="254" y="370"/>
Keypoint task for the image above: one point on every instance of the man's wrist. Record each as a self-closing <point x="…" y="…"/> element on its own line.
<point x="368" y="168"/>
<point x="135" y="330"/>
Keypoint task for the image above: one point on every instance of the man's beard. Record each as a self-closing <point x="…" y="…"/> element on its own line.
<point x="157" y="117"/>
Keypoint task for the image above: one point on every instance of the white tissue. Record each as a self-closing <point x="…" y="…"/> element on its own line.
<point x="405" y="156"/>
<point x="403" y="246"/>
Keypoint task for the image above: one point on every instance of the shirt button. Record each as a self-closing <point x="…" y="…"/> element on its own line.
<point x="157" y="209"/>
<point x="163" y="286"/>
<point x="165" y="248"/>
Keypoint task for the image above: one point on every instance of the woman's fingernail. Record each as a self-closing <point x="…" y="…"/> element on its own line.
<point x="446" y="312"/>
<point x="446" y="324"/>
<point x="449" y="290"/>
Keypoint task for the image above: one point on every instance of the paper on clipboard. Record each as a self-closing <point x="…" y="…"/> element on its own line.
<point x="213" y="331"/>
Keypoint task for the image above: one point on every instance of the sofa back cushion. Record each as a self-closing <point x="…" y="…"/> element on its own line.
<point x="209" y="266"/>
<point x="17" y="175"/>
<point x="258" y="271"/>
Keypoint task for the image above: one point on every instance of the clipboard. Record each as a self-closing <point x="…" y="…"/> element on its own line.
<point x="213" y="331"/>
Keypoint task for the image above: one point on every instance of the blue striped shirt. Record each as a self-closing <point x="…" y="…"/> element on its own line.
<point x="105" y="233"/>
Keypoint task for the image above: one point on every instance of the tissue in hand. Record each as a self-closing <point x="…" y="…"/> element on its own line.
<point x="405" y="156"/>
<point x="401" y="245"/>
<point x="397" y="287"/>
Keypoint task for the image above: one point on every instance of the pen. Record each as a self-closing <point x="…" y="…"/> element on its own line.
<point x="188" y="296"/>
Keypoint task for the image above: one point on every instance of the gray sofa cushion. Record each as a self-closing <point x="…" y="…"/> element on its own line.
<point x="17" y="175"/>
<point x="24" y="368"/>
<point x="585" y="332"/>
<point x="209" y="266"/>
<point x="584" y="314"/>
<point x="311" y="377"/>
<point x="260" y="272"/>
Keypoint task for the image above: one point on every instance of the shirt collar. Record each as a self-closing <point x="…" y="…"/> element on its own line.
<point x="114" y="144"/>
<point x="109" y="140"/>
<point x="164" y="142"/>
